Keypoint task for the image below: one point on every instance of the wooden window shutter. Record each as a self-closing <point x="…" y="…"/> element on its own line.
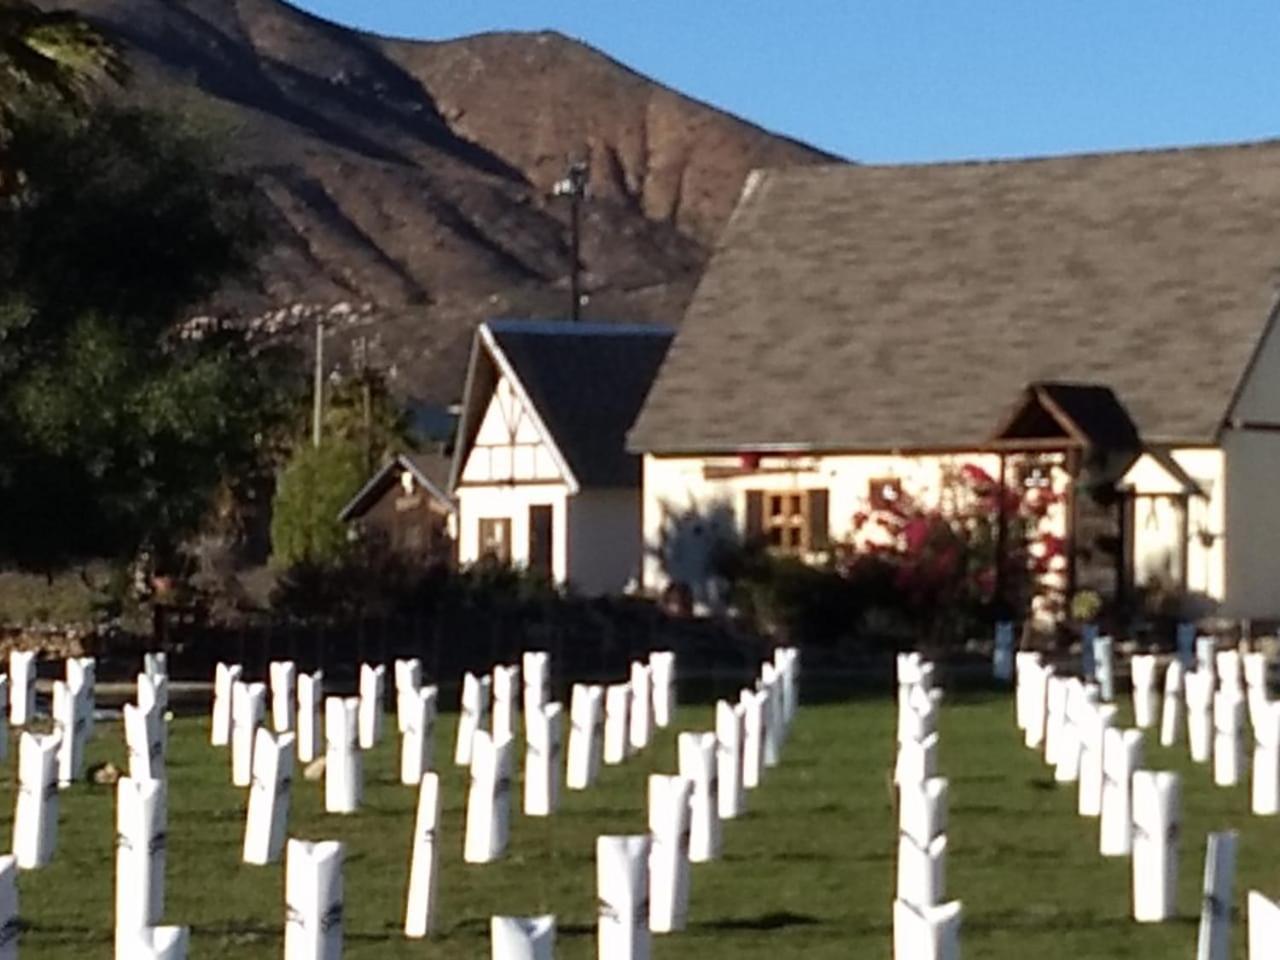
<point x="754" y="520"/>
<point x="819" y="523"/>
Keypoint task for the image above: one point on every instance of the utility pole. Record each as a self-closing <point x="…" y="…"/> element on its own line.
<point x="361" y="349"/>
<point x="574" y="186"/>
<point x="317" y="389"/>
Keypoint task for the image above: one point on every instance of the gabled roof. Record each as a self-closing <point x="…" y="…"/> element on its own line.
<point x="1087" y="414"/>
<point x="429" y="469"/>
<point x="900" y="308"/>
<point x="583" y="382"/>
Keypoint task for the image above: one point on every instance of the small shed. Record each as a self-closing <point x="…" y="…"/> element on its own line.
<point x="405" y="510"/>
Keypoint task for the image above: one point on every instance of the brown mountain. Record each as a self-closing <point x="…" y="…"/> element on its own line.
<point x="417" y="177"/>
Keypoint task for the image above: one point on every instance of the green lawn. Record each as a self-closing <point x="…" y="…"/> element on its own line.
<point x="808" y="873"/>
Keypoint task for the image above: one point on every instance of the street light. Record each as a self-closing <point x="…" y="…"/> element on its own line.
<point x="574" y="186"/>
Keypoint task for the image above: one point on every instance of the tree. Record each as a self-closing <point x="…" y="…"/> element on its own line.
<point x="55" y="54"/>
<point x="117" y="422"/>
<point x="311" y="491"/>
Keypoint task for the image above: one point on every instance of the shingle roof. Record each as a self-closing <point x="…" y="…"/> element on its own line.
<point x="431" y="470"/>
<point x="883" y="308"/>
<point x="586" y="381"/>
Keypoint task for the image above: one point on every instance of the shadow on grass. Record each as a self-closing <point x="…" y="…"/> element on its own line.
<point x="1005" y="921"/>
<point x="778" y="920"/>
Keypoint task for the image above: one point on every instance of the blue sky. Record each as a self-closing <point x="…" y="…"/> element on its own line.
<point x="921" y="80"/>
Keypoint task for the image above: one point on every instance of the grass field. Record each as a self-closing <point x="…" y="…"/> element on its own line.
<point x="809" y="873"/>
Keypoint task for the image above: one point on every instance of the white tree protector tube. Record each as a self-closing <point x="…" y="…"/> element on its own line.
<point x="22" y="687"/>
<point x="1264" y="926"/>
<point x="488" y="800"/>
<point x="1206" y="655"/>
<point x="1228" y="737"/>
<point x="284" y="681"/>
<point x="373" y="684"/>
<point x="310" y="724"/>
<point x="155" y="663"/>
<point x="535" y="672"/>
<point x="153" y="697"/>
<point x="731" y="801"/>
<point x="1079" y="699"/>
<point x="1156" y="829"/>
<point x="1055" y="717"/>
<point x="523" y="938"/>
<point x="622" y="888"/>
<point x="1214" y="942"/>
<point x="926" y="933"/>
<point x="424" y="862"/>
<point x="1142" y="672"/>
<point x="662" y="672"/>
<point x="248" y="709"/>
<point x="698" y="764"/>
<point x="1026" y="666"/>
<point x="1095" y="721"/>
<point x="1255" y="682"/>
<point x="768" y="683"/>
<point x="544" y="736"/>
<point x="69" y="717"/>
<point x="917" y="761"/>
<point x="669" y="872"/>
<point x="418" y="714"/>
<point x="586" y="711"/>
<point x="1200" y="696"/>
<point x="408" y="680"/>
<point x="1230" y="670"/>
<point x="1122" y="756"/>
<point x="1104" y="665"/>
<point x="471" y="717"/>
<point x="640" y="717"/>
<point x="314" y="902"/>
<point x="1002" y="654"/>
<point x="617" y="703"/>
<point x="1038" y="707"/>
<point x="82" y="673"/>
<point x="922" y="871"/>
<point x="343" y="763"/>
<point x="1265" y="793"/>
<point x="144" y="742"/>
<point x="917" y="713"/>
<point x="268" y="814"/>
<point x="141" y="822"/>
<point x="922" y="810"/>
<point x="506" y="694"/>
<point x="225" y="677"/>
<point x="753" y="705"/>
<point x="786" y="660"/>
<point x="10" y="920"/>
<point x="1171" y="720"/>
<point x="35" y="821"/>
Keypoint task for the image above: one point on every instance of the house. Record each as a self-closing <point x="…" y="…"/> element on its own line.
<point x="1099" y="327"/>
<point x="541" y="473"/>
<point x="405" y="510"/>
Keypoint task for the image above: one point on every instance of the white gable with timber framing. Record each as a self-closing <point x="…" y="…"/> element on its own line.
<point x="541" y="474"/>
<point x="511" y="446"/>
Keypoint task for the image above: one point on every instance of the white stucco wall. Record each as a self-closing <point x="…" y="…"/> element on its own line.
<point x="604" y="540"/>
<point x="476" y="503"/>
<point x="1252" y="524"/>
<point x="1155" y="520"/>
<point x="679" y="486"/>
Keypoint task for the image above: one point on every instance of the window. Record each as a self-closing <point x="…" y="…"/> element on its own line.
<point x="789" y="521"/>
<point x="884" y="493"/>
<point x="495" y="539"/>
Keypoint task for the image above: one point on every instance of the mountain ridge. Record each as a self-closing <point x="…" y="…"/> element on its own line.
<point x="414" y="177"/>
